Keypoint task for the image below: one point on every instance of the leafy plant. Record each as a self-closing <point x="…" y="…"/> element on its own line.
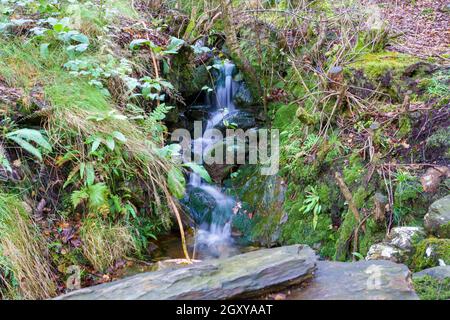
<point x="172" y="48"/>
<point x="25" y="137"/>
<point x="311" y="204"/>
<point x="98" y="72"/>
<point x="75" y="41"/>
<point x="199" y="169"/>
<point x="95" y="195"/>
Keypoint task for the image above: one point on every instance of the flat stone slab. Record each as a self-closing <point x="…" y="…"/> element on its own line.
<point x="439" y="273"/>
<point x="362" y="280"/>
<point x="241" y="276"/>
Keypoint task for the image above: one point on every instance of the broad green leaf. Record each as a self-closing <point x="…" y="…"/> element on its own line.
<point x="199" y="169"/>
<point x="43" y="50"/>
<point x="135" y="44"/>
<point x="110" y="143"/>
<point x="95" y="144"/>
<point x="27" y="146"/>
<point x="90" y="174"/>
<point x="119" y="136"/>
<point x="31" y="135"/>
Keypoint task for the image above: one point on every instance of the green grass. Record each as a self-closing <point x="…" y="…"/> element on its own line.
<point x="429" y="288"/>
<point x="24" y="268"/>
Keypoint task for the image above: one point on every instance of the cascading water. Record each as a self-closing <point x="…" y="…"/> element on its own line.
<point x="213" y="237"/>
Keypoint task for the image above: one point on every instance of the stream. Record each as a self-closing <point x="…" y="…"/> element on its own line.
<point x="213" y="236"/>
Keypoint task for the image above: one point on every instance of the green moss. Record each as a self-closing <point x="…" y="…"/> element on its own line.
<point x="299" y="229"/>
<point x="261" y="209"/>
<point x="429" y="288"/>
<point x="440" y="140"/>
<point x="285" y="115"/>
<point x="344" y="246"/>
<point x="354" y="171"/>
<point x="306" y="117"/>
<point x="376" y="65"/>
<point x="299" y="226"/>
<point x="405" y="127"/>
<point x="428" y="252"/>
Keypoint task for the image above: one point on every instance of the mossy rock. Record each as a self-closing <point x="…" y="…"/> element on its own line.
<point x="437" y="220"/>
<point x="188" y="78"/>
<point x="261" y="212"/>
<point x="430" y="253"/>
<point x="391" y="73"/>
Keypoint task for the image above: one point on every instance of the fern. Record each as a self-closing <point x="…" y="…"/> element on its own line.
<point x="24" y="138"/>
<point x="312" y="205"/>
<point x="310" y="141"/>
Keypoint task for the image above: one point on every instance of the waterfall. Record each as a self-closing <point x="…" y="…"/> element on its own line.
<point x="213" y="237"/>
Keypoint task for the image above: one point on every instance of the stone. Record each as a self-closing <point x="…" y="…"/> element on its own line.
<point x="439" y="273"/>
<point x="171" y="264"/>
<point x="243" y="97"/>
<point x="384" y="251"/>
<point x="239" y="119"/>
<point x="433" y="177"/>
<point x="241" y="276"/>
<point x="362" y="280"/>
<point x="437" y="220"/>
<point x="200" y="204"/>
<point x="402" y="237"/>
<point x="398" y="245"/>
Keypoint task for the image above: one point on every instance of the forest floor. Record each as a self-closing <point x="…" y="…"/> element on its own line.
<point x="422" y="26"/>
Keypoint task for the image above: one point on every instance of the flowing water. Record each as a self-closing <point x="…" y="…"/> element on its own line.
<point x="213" y="237"/>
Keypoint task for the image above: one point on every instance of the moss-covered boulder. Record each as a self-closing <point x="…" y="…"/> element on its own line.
<point x="430" y="253"/>
<point x="185" y="75"/>
<point x="392" y="74"/>
<point x="243" y="97"/>
<point x="437" y="220"/>
<point x="261" y="214"/>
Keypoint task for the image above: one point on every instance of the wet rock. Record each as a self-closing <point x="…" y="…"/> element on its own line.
<point x="244" y="275"/>
<point x="243" y="97"/>
<point x="218" y="172"/>
<point x="439" y="273"/>
<point x="198" y="112"/>
<point x="398" y="245"/>
<point x="437" y="220"/>
<point x="237" y="119"/>
<point x="188" y="78"/>
<point x="200" y="204"/>
<point x="363" y="280"/>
